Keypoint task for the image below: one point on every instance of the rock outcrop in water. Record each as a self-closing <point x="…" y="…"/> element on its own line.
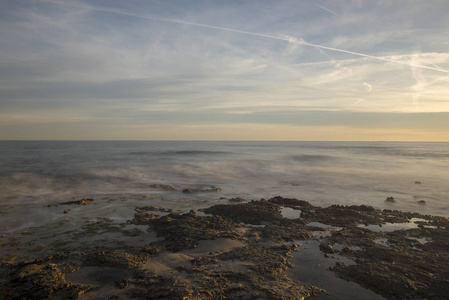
<point x="201" y="189"/>
<point x="85" y="201"/>
<point x="254" y="212"/>
<point x="390" y="199"/>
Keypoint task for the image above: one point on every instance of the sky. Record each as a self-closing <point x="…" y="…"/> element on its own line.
<point x="340" y="70"/>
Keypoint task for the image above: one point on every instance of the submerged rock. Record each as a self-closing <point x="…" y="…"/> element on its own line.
<point x="165" y="187"/>
<point x="210" y="188"/>
<point x="390" y="199"/>
<point x="236" y="200"/>
<point x="85" y="201"/>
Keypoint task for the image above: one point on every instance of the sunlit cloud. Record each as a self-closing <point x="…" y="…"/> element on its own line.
<point x="368" y="87"/>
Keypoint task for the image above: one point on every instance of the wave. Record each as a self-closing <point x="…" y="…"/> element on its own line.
<point x="180" y="152"/>
<point x="194" y="152"/>
<point x="424" y="154"/>
<point x="398" y="151"/>
<point x="142" y="153"/>
<point x="311" y="158"/>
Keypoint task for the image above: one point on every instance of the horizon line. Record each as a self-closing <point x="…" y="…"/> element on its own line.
<point x="208" y="140"/>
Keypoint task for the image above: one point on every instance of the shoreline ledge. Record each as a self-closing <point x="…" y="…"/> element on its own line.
<point x="241" y="250"/>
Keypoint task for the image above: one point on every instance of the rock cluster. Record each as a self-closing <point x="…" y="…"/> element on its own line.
<point x="185" y="231"/>
<point x="400" y="264"/>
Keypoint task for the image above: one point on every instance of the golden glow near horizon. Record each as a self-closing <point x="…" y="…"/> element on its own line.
<point x="328" y="70"/>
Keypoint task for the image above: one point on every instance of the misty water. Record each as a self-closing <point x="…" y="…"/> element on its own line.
<point x="34" y="174"/>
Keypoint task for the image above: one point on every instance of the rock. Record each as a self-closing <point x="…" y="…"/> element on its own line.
<point x="340" y="264"/>
<point x="85" y="201"/>
<point x="346" y="249"/>
<point x="42" y="281"/>
<point x="326" y="248"/>
<point x="28" y="270"/>
<point x="165" y="187"/>
<point x="338" y="215"/>
<point x="67" y="211"/>
<point x="147" y="208"/>
<point x="143" y="218"/>
<point x="291" y="202"/>
<point x="210" y="188"/>
<point x="236" y="200"/>
<point x="254" y="212"/>
<point x="140" y="209"/>
<point x="390" y="199"/>
<point x="421" y="202"/>
<point x="417" y="182"/>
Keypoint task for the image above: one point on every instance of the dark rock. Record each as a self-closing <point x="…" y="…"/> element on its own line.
<point x="210" y="188"/>
<point x="165" y="187"/>
<point x="338" y="215"/>
<point x="236" y="200"/>
<point x="185" y="231"/>
<point x="390" y="199"/>
<point x="254" y="212"/>
<point x="326" y="248"/>
<point x="422" y="202"/>
<point x="85" y="201"/>
<point x="144" y="218"/>
<point x="154" y="248"/>
<point x="141" y="209"/>
<point x="38" y="280"/>
<point x="402" y="268"/>
<point x="291" y="202"/>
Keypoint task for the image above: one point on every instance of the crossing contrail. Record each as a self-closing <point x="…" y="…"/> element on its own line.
<point x="280" y="38"/>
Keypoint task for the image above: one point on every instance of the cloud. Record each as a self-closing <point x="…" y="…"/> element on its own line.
<point x="281" y="38"/>
<point x="145" y="63"/>
<point x="368" y="87"/>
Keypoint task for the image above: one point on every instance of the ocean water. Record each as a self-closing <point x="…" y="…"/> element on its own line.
<point x="36" y="174"/>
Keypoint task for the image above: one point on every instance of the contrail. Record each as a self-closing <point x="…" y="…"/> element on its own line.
<point x="326" y="9"/>
<point x="280" y="38"/>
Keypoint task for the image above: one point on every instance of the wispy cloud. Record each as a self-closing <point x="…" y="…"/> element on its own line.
<point x="293" y="40"/>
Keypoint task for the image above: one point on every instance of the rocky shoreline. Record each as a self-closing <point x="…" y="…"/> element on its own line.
<point x="239" y="250"/>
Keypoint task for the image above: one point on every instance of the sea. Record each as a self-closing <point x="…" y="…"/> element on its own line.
<point x="36" y="176"/>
